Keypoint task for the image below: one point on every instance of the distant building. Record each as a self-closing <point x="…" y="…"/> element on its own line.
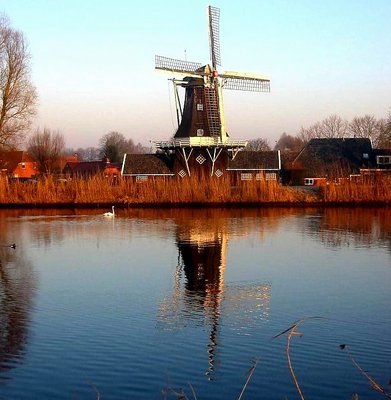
<point x="86" y="169"/>
<point x="18" y="165"/>
<point x="327" y="159"/>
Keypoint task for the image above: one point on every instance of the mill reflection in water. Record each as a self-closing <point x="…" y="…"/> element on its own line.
<point x="199" y="289"/>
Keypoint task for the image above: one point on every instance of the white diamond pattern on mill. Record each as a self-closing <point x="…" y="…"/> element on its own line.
<point x="182" y="173"/>
<point x="200" y="159"/>
<point x="218" y="173"/>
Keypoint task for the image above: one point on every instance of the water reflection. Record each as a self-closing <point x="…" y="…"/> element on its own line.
<point x="200" y="291"/>
<point x="201" y="294"/>
<point x="17" y="285"/>
<point x="357" y="227"/>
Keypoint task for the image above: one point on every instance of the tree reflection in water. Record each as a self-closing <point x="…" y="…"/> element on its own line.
<point x="17" y="285"/>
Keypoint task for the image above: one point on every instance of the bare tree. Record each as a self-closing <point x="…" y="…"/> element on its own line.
<point x="314" y="131"/>
<point x="384" y="138"/>
<point x="47" y="148"/>
<point x="334" y="127"/>
<point x="289" y="142"/>
<point x="365" y="127"/>
<point x="114" y="145"/>
<point x="331" y="127"/>
<point x="259" y="144"/>
<point x="17" y="94"/>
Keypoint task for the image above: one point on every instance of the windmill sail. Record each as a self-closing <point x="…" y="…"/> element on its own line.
<point x="245" y="81"/>
<point x="175" y="65"/>
<point x="214" y="35"/>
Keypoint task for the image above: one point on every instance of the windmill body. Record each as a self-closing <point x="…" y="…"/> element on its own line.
<point x="201" y="143"/>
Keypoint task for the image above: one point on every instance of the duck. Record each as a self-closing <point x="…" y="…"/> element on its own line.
<point x="110" y="214"/>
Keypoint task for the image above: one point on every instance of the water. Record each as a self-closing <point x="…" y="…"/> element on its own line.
<point x="156" y="301"/>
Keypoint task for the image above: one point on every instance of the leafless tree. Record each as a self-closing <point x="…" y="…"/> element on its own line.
<point x="384" y="138"/>
<point x="259" y="144"/>
<point x="288" y="142"/>
<point x="85" y="154"/>
<point x="331" y="127"/>
<point x="334" y="127"/>
<point x="365" y="127"/>
<point x="47" y="148"/>
<point x="114" y="145"/>
<point x="17" y="94"/>
<point x="314" y="131"/>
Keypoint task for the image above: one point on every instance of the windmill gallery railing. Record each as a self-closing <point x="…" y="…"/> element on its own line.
<point x="200" y="142"/>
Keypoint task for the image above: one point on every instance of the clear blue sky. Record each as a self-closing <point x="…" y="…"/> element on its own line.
<point x="93" y="62"/>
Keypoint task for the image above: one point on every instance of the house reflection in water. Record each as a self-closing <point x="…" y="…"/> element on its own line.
<point x="200" y="294"/>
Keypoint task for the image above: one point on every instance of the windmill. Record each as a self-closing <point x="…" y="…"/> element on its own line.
<point x="201" y="122"/>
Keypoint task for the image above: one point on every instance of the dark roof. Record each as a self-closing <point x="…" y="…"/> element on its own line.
<point x="336" y="156"/>
<point x="87" y="167"/>
<point x="147" y="164"/>
<point x="255" y="160"/>
<point x="9" y="160"/>
<point x="382" y="152"/>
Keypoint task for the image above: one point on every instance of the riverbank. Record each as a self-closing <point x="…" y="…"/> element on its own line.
<point x="99" y="192"/>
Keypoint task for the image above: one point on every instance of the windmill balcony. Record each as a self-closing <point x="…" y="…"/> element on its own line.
<point x="200" y="142"/>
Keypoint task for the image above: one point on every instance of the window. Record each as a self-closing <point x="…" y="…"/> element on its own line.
<point x="246" y="176"/>
<point x="200" y="132"/>
<point x="182" y="173"/>
<point x="271" y="176"/>
<point x="382" y="160"/>
<point x="365" y="156"/>
<point x="23" y="165"/>
<point x="200" y="107"/>
<point x="141" y="178"/>
<point x="309" y="181"/>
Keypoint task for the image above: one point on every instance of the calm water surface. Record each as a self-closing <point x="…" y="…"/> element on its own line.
<point x="146" y="303"/>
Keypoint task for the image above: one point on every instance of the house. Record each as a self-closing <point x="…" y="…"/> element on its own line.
<point x="144" y="166"/>
<point x="67" y="159"/>
<point x="246" y="165"/>
<point x="324" y="159"/>
<point x="383" y="158"/>
<point x="381" y="169"/>
<point x="86" y="169"/>
<point x="17" y="164"/>
<point x="250" y="165"/>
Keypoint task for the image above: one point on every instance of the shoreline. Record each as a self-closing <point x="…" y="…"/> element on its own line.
<point x="196" y="204"/>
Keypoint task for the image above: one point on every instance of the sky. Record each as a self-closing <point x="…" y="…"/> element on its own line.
<point x="93" y="62"/>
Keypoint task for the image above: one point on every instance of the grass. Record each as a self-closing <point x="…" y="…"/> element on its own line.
<point x="171" y="191"/>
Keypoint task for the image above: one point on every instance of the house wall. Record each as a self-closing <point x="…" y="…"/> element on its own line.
<point x="25" y="170"/>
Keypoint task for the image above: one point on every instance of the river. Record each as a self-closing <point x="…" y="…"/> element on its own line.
<point x="156" y="301"/>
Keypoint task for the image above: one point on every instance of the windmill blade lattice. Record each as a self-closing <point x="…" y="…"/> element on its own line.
<point x="214" y="35"/>
<point x="175" y="65"/>
<point x="246" y="84"/>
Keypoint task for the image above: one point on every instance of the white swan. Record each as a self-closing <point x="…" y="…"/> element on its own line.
<point x="110" y="214"/>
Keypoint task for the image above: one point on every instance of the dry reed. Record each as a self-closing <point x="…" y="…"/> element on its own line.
<point x="172" y="191"/>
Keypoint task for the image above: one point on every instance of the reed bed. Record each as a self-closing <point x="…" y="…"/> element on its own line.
<point x="170" y="191"/>
<point x="357" y="192"/>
